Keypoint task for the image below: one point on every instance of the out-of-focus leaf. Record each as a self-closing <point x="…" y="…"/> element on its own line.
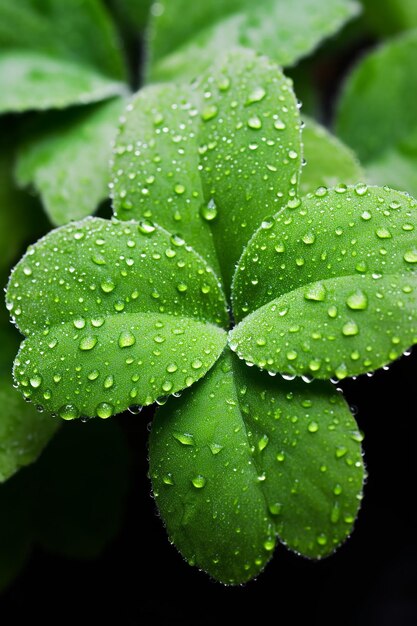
<point x="186" y="37"/>
<point x="68" y="162"/>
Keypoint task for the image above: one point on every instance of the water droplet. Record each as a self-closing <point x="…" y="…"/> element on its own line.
<point x="332" y="311"/>
<point x="383" y="233"/>
<point x="315" y="292"/>
<point x="309" y="238"/>
<point x="196" y="364"/>
<point x="93" y="375"/>
<point x="275" y="508"/>
<point x="126" y="339"/>
<point x="108" y="382"/>
<point x="107" y="285"/>
<point x="361" y="189"/>
<point x="256" y="95"/>
<point x="215" y="448"/>
<point x="411" y="256"/>
<point x="209" y="211"/>
<point x="366" y="215"/>
<point x="35" y="381"/>
<point x="341" y="451"/>
<point x="357" y="301"/>
<point x="198" y="481"/>
<point x="135" y="409"/>
<point x="179" y="189"/>
<point x="263" y="442"/>
<point x="292" y="154"/>
<point x="322" y="539"/>
<point x="168" y="479"/>
<point x="254" y="122"/>
<point x="209" y="112"/>
<point x="145" y="227"/>
<point x="313" y="427"/>
<point x="269" y="544"/>
<point x="350" y="329"/>
<point x="68" y="412"/>
<point x="185" y="438"/>
<point x="280" y="457"/>
<point x="279" y="125"/>
<point x="171" y="368"/>
<point x="182" y="287"/>
<point x="79" y="323"/>
<point x="104" y="410"/>
<point x="88" y="342"/>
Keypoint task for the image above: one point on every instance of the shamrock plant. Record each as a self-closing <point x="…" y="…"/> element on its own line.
<point x="222" y="294"/>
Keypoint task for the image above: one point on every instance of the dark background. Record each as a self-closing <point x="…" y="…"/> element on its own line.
<point x="142" y="579"/>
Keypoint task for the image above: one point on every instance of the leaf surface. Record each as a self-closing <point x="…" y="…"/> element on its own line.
<point x="241" y="458"/>
<point x="68" y="162"/>
<point x="127" y="314"/>
<point x="328" y="161"/>
<point x="229" y="148"/>
<point x="183" y="48"/>
<point x="374" y="115"/>
<point x="330" y="284"/>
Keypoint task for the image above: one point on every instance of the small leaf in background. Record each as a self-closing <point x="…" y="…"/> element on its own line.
<point x="230" y="146"/>
<point x="19" y="215"/>
<point x="183" y="48"/>
<point x="36" y="81"/>
<point x="375" y="117"/>
<point x="330" y="284"/>
<point x="390" y="16"/>
<point x="328" y="161"/>
<point x="129" y="314"/>
<point x="53" y="54"/>
<point x="24" y="432"/>
<point x="68" y="161"/>
<point x="241" y="458"/>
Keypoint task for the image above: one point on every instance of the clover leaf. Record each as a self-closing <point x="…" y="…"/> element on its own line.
<point x="121" y="313"/>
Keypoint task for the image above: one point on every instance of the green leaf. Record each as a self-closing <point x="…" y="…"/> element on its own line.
<point x="218" y="156"/>
<point x="241" y="458"/>
<point x="68" y="161"/>
<point x="186" y="38"/>
<point x="133" y="15"/>
<point x="17" y="210"/>
<point x="73" y="31"/>
<point x="330" y="283"/>
<point x="24" y="432"/>
<point x="81" y="502"/>
<point x="31" y="80"/>
<point x="371" y="100"/>
<point x="129" y="313"/>
<point x="391" y="16"/>
<point x="328" y="160"/>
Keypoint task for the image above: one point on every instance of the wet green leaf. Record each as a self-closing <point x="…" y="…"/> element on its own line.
<point x="328" y="161"/>
<point x="24" y="432"/>
<point x="241" y="458"/>
<point x="76" y="31"/>
<point x="68" y="162"/>
<point x="36" y="81"/>
<point x="375" y="117"/>
<point x="218" y="156"/>
<point x="185" y="38"/>
<point x="129" y="314"/>
<point x="330" y="284"/>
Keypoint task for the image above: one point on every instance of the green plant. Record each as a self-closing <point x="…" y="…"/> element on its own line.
<point x="229" y="286"/>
